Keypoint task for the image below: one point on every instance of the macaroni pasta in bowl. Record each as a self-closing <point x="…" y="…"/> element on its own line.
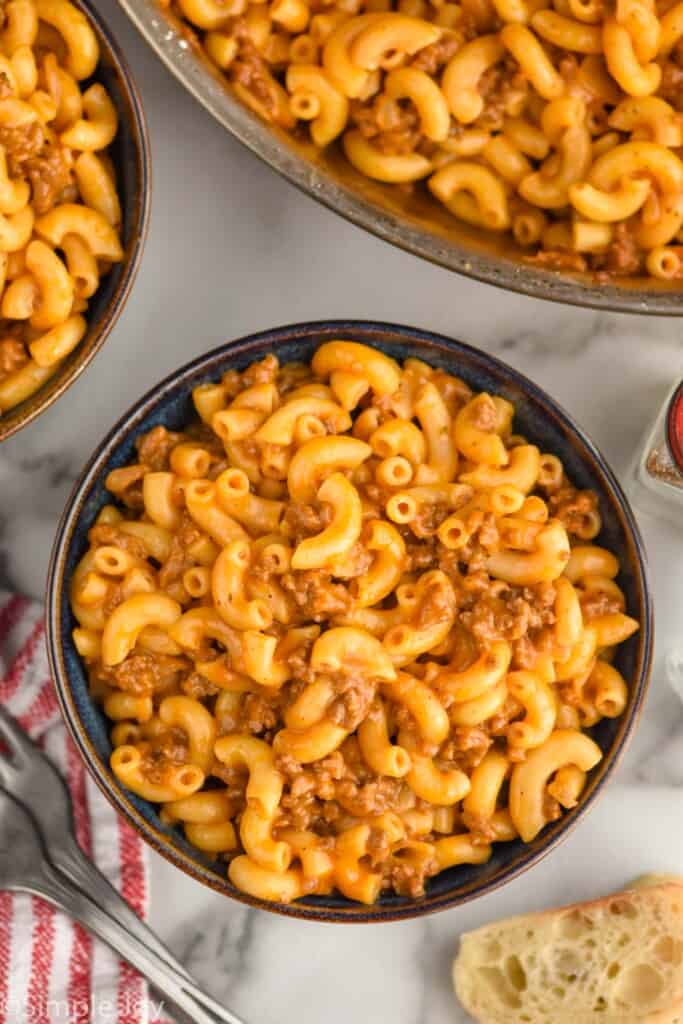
<point x="349" y="627"/>
<point x="60" y="215"/>
<point x="557" y="124"/>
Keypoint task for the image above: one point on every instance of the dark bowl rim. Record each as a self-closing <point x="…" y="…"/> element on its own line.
<point x="128" y="423"/>
<point x="139" y="133"/>
<point x="193" y="71"/>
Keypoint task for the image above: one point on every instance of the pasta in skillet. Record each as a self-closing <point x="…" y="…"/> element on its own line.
<point x="556" y="122"/>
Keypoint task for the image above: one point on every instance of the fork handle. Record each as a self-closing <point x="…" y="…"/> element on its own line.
<point x="182" y="993"/>
<point x="72" y="862"/>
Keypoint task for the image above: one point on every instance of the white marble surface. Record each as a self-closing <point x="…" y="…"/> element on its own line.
<point x="233" y="249"/>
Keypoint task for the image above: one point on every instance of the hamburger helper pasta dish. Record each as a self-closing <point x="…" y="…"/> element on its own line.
<point x="556" y="122"/>
<point x="59" y="209"/>
<point x="349" y="626"/>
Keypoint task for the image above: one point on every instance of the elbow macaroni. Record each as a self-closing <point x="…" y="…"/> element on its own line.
<point x="353" y="666"/>
<point x="504" y="115"/>
<point x="60" y="214"/>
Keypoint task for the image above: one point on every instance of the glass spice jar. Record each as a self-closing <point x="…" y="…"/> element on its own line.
<point x="655" y="481"/>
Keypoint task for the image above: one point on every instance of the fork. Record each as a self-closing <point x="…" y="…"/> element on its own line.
<point x="24" y="867"/>
<point x="33" y="781"/>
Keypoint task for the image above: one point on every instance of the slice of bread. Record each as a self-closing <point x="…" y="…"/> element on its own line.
<point x="617" y="960"/>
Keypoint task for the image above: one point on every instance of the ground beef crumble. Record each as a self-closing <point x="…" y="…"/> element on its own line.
<point x="13" y="355"/>
<point x="354" y="695"/>
<point x="393" y="127"/>
<point x="145" y="674"/>
<point x="164" y="752"/>
<point x="315" y="595"/>
<point x="622" y="258"/>
<point x="179" y="557"/>
<point x="574" y="508"/>
<point x="597" y="602"/>
<point x="108" y="533"/>
<point x="301" y="520"/>
<point x="466" y="748"/>
<point x="51" y="178"/>
<point x="155" y="448"/>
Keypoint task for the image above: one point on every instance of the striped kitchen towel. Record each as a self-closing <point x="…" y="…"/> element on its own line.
<point x="51" y="970"/>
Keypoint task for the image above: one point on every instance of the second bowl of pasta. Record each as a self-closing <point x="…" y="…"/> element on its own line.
<point x="74" y="198"/>
<point x="349" y="620"/>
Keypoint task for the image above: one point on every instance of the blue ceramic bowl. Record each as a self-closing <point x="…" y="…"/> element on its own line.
<point x="131" y="155"/>
<point x="537" y="416"/>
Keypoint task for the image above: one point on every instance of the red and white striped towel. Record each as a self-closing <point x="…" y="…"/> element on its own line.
<point x="51" y="970"/>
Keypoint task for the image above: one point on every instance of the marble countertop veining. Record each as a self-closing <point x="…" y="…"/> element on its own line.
<point x="234" y="249"/>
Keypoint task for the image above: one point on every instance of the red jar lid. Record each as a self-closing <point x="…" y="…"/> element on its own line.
<point x="674" y="426"/>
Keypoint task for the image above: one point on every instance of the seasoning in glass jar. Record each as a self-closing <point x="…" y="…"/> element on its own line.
<point x="655" y="482"/>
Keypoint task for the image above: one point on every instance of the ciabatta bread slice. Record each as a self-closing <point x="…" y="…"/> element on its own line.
<point x="617" y="960"/>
